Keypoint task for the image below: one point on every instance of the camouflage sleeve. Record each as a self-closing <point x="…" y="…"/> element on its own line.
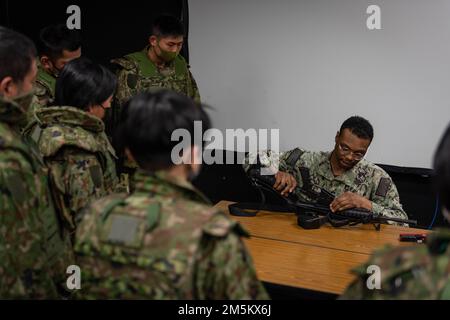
<point x="194" y="88"/>
<point x="126" y="87"/>
<point x="76" y="181"/>
<point x="23" y="265"/>
<point x="385" y="198"/>
<point x="269" y="159"/>
<point x="42" y="95"/>
<point x="35" y="105"/>
<point x="112" y="182"/>
<point x="225" y="270"/>
<point x="274" y="161"/>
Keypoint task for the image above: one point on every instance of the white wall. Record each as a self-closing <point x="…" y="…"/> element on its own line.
<point x="304" y="66"/>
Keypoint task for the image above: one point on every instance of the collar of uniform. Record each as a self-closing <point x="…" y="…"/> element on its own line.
<point x="324" y="170"/>
<point x="11" y="112"/>
<point x="69" y="116"/>
<point x="46" y="79"/>
<point x="161" y="183"/>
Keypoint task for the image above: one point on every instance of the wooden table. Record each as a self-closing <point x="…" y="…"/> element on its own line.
<point x="320" y="260"/>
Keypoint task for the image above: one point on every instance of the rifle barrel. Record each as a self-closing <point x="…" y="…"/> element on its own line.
<point x="352" y="213"/>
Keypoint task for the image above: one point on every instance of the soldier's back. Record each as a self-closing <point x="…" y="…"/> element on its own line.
<point x="78" y="154"/>
<point x="24" y="267"/>
<point x="416" y="272"/>
<point x="163" y="242"/>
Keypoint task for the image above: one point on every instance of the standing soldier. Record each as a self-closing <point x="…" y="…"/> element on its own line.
<point x="34" y="254"/>
<point x="57" y="45"/>
<point x="72" y="140"/>
<point x="158" y="65"/>
<point x="164" y="241"/>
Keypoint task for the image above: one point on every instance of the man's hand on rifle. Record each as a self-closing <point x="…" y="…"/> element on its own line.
<point x="284" y="183"/>
<point x="349" y="200"/>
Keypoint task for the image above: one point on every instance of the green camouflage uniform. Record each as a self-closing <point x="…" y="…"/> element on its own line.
<point x="34" y="253"/>
<point x="365" y="178"/>
<point x="79" y="156"/>
<point x="45" y="87"/>
<point x="164" y="241"/>
<point x="44" y="92"/>
<point x="418" y="272"/>
<point x="137" y="73"/>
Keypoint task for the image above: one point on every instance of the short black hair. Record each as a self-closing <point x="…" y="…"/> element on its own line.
<point x="148" y="120"/>
<point x="167" y="26"/>
<point x="54" y="39"/>
<point x="17" y="53"/>
<point x="359" y="127"/>
<point x="83" y="83"/>
<point x="442" y="169"/>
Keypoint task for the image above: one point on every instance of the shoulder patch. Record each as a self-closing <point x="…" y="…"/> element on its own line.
<point x="132" y="80"/>
<point x="125" y="230"/>
<point x="383" y="187"/>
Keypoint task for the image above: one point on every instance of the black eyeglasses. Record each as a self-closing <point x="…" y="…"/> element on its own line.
<point x="346" y="150"/>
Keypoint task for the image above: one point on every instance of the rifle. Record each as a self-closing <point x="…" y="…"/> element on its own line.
<point x="310" y="215"/>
